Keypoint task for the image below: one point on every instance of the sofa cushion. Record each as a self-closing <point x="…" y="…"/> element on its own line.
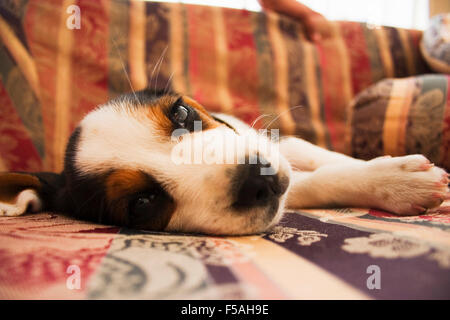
<point x="435" y="43"/>
<point x="235" y="61"/>
<point x="403" y="116"/>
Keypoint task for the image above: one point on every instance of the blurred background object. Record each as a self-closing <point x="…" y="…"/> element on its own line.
<point x="439" y="6"/>
<point x="414" y="13"/>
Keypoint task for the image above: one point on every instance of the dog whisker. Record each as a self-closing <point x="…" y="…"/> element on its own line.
<point x="157" y="65"/>
<point x="260" y="117"/>
<point x="124" y="69"/>
<point x="279" y="115"/>
<point x="160" y="64"/>
<point x="166" y="88"/>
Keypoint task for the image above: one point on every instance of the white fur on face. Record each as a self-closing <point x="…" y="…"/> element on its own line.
<point x="117" y="138"/>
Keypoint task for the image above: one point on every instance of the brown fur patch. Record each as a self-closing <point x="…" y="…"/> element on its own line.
<point x="11" y="184"/>
<point x="124" y="182"/>
<point x="158" y="114"/>
<point x="208" y="121"/>
<point x="121" y="185"/>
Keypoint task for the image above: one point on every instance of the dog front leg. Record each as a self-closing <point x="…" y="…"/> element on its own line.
<point x="403" y="185"/>
<point x="306" y="156"/>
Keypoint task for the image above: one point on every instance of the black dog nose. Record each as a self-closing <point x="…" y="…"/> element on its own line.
<point x="255" y="189"/>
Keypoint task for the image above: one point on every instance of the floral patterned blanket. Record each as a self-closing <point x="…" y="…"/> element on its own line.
<point x="311" y="254"/>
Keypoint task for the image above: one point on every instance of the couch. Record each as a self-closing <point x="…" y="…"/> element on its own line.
<point x="346" y="93"/>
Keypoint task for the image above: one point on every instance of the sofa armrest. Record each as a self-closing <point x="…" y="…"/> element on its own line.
<point x="403" y="116"/>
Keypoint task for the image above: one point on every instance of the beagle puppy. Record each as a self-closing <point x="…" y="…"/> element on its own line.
<point x="159" y="161"/>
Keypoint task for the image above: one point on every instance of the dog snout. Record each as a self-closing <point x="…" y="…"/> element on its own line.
<point x="255" y="189"/>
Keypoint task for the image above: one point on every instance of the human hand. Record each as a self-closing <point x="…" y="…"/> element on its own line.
<point x="316" y="25"/>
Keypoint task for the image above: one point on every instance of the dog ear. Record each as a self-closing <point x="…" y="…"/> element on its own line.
<point x="29" y="192"/>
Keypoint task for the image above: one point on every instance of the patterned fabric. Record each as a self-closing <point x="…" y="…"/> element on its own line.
<point x="403" y="116"/>
<point x="435" y="43"/>
<point x="312" y="254"/>
<point x="245" y="63"/>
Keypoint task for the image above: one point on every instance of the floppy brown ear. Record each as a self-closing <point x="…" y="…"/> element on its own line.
<point x="29" y="192"/>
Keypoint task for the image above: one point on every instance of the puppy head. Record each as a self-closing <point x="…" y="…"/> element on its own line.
<point x="159" y="162"/>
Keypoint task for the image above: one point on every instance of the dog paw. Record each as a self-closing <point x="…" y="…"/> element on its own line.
<point x="9" y="210"/>
<point x="27" y="200"/>
<point x="409" y="185"/>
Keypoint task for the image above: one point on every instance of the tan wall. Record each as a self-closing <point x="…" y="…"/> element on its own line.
<point x="439" y="6"/>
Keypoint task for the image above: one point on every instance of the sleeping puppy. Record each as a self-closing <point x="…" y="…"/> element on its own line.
<point x="155" y="161"/>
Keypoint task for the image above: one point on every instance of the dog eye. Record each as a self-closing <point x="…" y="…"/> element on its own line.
<point x="142" y="204"/>
<point x="180" y="115"/>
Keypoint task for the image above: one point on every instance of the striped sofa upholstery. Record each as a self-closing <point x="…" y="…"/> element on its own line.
<point x="244" y="63"/>
<point x="403" y="116"/>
